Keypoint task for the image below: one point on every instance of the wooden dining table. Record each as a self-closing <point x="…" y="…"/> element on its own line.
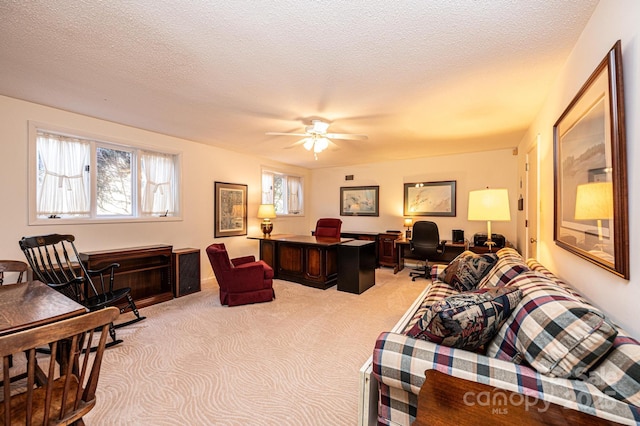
<point x="32" y="304"/>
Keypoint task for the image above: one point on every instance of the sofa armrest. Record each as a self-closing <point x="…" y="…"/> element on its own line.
<point x="400" y="361"/>
<point x="242" y="260"/>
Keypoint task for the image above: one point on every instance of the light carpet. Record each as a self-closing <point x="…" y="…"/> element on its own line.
<point x="292" y="361"/>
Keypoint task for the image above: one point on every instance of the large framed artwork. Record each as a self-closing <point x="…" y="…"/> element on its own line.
<point x="590" y="171"/>
<point x="230" y="209"/>
<point x="430" y="198"/>
<point x="359" y="200"/>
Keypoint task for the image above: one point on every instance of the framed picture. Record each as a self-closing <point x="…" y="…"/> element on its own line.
<point x="359" y="201"/>
<point x="230" y="209"/>
<point x="590" y="171"/>
<point x="430" y="198"/>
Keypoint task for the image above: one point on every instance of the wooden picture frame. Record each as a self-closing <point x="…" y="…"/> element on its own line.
<point x="230" y="209"/>
<point x="590" y="159"/>
<point x="430" y="198"/>
<point x="360" y="201"/>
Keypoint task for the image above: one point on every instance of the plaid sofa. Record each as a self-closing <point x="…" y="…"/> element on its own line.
<point x="609" y="389"/>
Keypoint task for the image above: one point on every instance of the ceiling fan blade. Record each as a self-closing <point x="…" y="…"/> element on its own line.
<point x="293" y="145"/>
<point x="347" y="136"/>
<point x="285" y="134"/>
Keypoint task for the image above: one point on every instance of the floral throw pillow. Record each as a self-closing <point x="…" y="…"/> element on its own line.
<point x="467" y="320"/>
<point x="465" y="271"/>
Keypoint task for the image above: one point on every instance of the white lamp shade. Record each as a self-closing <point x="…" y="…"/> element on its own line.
<point x="594" y="201"/>
<point x="408" y="222"/>
<point x="489" y="204"/>
<point x="266" y="211"/>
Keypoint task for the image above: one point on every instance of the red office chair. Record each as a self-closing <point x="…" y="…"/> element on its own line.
<point x="242" y="280"/>
<point x="328" y="228"/>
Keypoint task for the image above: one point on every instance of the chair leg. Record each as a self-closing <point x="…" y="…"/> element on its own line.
<point x="134" y="309"/>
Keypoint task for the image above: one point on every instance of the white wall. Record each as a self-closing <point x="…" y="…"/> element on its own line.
<point x="202" y="165"/>
<point x="612" y="20"/>
<point x="495" y="169"/>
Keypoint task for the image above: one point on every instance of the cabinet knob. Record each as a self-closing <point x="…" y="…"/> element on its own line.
<point x="533" y="240"/>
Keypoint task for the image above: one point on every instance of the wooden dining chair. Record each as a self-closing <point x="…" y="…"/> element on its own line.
<point x="52" y="397"/>
<point x="16" y="266"/>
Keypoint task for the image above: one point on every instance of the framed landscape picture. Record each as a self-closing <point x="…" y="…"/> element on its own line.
<point x="359" y="201"/>
<point x="230" y="209"/>
<point x="590" y="171"/>
<point x="430" y="198"/>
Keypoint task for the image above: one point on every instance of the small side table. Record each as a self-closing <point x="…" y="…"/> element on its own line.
<point x="356" y="266"/>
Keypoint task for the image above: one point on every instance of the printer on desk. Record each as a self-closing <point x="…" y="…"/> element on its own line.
<point x="481" y="239"/>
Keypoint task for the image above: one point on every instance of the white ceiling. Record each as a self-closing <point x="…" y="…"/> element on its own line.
<point x="420" y="77"/>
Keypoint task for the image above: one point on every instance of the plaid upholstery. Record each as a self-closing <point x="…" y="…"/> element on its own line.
<point x="534" y="265"/>
<point x="399" y="363"/>
<point x="555" y="333"/>
<point x="618" y="374"/>
<point x="509" y="265"/>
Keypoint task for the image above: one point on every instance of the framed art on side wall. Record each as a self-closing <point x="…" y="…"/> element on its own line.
<point x="590" y="171"/>
<point x="359" y="201"/>
<point x="230" y="209"/>
<point x="430" y="198"/>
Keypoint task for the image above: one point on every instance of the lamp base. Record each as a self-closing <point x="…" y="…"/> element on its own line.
<point x="408" y="234"/>
<point x="266" y="228"/>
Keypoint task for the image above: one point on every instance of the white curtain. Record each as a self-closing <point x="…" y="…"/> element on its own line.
<point x="157" y="175"/>
<point x="62" y="187"/>
<point x="267" y="188"/>
<point x="294" y="184"/>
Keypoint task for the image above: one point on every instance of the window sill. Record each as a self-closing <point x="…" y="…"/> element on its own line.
<point x="89" y="221"/>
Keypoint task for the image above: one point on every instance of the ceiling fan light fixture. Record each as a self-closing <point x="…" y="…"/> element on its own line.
<point x="321" y="144"/>
<point x="318" y="126"/>
<point x="308" y="144"/>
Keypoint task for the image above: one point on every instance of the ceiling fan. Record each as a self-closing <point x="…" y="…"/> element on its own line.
<point x="316" y="137"/>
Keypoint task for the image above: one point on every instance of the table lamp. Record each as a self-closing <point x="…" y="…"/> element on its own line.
<point x="266" y="212"/>
<point x="490" y="205"/>
<point x="408" y="222"/>
<point x="594" y="201"/>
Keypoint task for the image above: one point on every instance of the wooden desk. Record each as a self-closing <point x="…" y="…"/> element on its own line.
<point x="302" y="259"/>
<point x="146" y="270"/>
<point x="32" y="304"/>
<point x="451" y="251"/>
<point x="449" y="400"/>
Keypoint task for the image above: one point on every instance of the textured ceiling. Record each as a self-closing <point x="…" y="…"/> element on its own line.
<point x="418" y="77"/>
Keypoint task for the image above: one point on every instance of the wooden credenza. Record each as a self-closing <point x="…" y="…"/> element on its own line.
<point x="147" y="270"/>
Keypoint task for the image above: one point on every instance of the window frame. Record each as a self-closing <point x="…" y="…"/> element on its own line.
<point x="286" y="174"/>
<point x="106" y="142"/>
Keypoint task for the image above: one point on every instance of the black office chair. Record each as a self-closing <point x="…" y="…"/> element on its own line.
<point x="56" y="262"/>
<point x="425" y="244"/>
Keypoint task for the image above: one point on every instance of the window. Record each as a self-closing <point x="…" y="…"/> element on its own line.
<point x="285" y="192"/>
<point x="79" y="178"/>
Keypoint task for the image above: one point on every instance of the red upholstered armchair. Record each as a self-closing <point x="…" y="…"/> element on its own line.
<point x="328" y="228"/>
<point x="242" y="280"/>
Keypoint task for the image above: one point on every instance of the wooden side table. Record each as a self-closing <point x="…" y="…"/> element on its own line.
<point x="449" y="400"/>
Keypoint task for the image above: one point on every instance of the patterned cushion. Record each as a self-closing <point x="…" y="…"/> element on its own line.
<point x="465" y="271"/>
<point x="552" y="331"/>
<point x="437" y="291"/>
<point x="509" y="265"/>
<point x="618" y="375"/>
<point x="467" y="320"/>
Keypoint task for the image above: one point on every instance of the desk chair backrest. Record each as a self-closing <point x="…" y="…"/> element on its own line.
<point x="328" y="228"/>
<point x="425" y="241"/>
<point x="57" y="398"/>
<point x="13" y="266"/>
